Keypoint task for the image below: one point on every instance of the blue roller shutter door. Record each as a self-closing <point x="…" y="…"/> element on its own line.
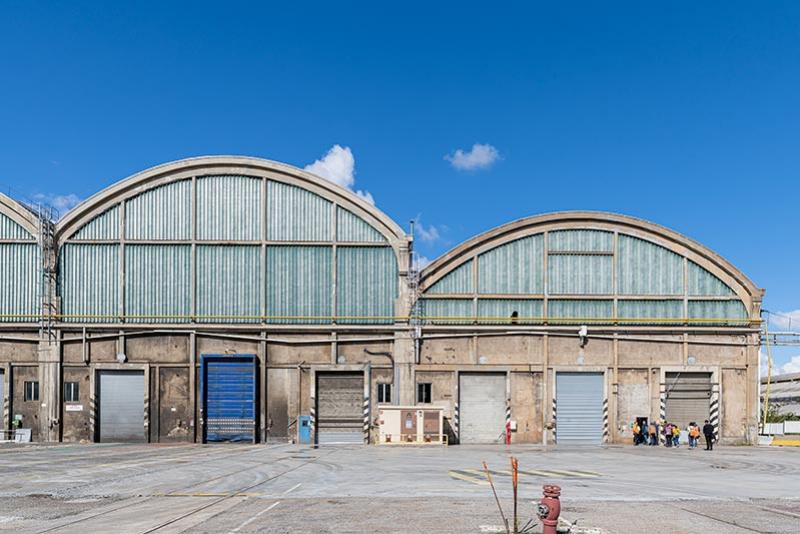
<point x="579" y="408"/>
<point x="229" y="397"/>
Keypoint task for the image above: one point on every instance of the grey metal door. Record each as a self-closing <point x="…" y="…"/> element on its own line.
<point x="687" y="398"/>
<point x="121" y="404"/>
<point x="482" y="403"/>
<point x="340" y="398"/>
<point x="579" y="408"/>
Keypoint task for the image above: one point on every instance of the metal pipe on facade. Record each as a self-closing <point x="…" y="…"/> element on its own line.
<point x="395" y="373"/>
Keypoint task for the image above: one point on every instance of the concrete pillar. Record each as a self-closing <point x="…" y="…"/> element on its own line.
<point x="49" y="390"/>
<point x="404" y="368"/>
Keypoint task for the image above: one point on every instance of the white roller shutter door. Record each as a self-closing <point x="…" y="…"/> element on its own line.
<point x="121" y="406"/>
<point x="579" y="408"/>
<point x="483" y="407"/>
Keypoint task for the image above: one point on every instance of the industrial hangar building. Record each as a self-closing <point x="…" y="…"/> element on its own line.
<point x="222" y="298"/>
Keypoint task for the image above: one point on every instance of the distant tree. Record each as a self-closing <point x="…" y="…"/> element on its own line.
<point x="774" y="415"/>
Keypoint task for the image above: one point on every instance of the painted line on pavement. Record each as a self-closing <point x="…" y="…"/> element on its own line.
<point x="293" y="488"/>
<point x="259" y="514"/>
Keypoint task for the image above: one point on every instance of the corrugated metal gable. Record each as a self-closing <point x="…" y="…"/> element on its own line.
<point x="295" y="214"/>
<point x="19" y="282"/>
<point x="164" y="212"/>
<point x="500" y="310"/>
<point x="103" y="226"/>
<point x="580" y="241"/>
<point x="579" y="309"/>
<point x="228" y="283"/>
<point x="514" y="267"/>
<point x="89" y="282"/>
<point x="229" y="208"/>
<point x="350" y="227"/>
<point x="10" y="229"/>
<point x="577" y="274"/>
<point x="459" y="280"/>
<point x="717" y="309"/>
<point x="367" y="284"/>
<point x="437" y="311"/>
<point x="645" y="268"/>
<point x="703" y="283"/>
<point x="650" y="309"/>
<point x="299" y="284"/>
<point x="157" y="283"/>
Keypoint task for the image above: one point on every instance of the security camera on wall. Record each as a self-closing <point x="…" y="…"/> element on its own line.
<point x="582" y="333"/>
<point x="121" y="358"/>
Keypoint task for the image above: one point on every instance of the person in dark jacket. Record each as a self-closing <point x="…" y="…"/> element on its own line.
<point x="708" y="433"/>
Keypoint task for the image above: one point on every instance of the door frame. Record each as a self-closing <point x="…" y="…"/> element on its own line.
<point x="94" y="384"/>
<point x="366" y="369"/>
<point x="205" y="357"/>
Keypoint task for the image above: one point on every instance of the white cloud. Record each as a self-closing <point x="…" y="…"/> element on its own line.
<point x="366" y="195"/>
<point x="430" y="234"/>
<point x="785" y="320"/>
<point x="339" y="166"/>
<point x="480" y="156"/>
<point x="427" y="235"/>
<point x="62" y="203"/>
<point x="420" y="262"/>
<point x="792" y="366"/>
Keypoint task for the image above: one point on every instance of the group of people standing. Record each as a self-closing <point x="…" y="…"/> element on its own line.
<point x="648" y="434"/>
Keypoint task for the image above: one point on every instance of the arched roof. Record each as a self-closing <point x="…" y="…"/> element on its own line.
<point x="225" y="165"/>
<point x="743" y="287"/>
<point x="19" y="214"/>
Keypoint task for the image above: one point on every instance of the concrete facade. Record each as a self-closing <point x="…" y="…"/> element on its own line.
<point x="407" y="349"/>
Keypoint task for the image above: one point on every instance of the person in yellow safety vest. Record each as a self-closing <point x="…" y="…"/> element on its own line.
<point x="676" y="435"/>
<point x="694" y="434"/>
<point x="635" y="430"/>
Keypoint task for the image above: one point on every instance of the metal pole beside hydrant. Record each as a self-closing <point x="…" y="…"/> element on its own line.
<point x="549" y="508"/>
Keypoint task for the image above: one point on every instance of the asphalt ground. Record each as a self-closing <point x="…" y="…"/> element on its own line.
<point x="290" y="488"/>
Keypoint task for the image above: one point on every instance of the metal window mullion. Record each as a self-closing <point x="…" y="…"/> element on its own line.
<point x="193" y="259"/>
<point x="121" y="276"/>
<point x="334" y="260"/>
<point x="686" y="288"/>
<point x="614" y="288"/>
<point x="545" y="276"/>
<point x="263" y="267"/>
<point x="475" y="287"/>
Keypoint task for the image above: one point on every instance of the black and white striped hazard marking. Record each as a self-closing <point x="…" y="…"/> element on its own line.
<point x="92" y="417"/>
<point x="508" y="414"/>
<point x="366" y="419"/>
<point x="662" y="416"/>
<point x="146" y="413"/>
<point x="455" y="420"/>
<point x="713" y="409"/>
<point x="312" y="419"/>
<point x="605" y="420"/>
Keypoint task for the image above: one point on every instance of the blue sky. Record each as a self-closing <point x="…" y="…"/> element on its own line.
<point x="686" y="114"/>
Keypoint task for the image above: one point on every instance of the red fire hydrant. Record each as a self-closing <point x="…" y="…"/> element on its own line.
<point x="549" y="509"/>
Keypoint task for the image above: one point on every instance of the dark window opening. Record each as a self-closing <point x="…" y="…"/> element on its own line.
<point x="31" y="391"/>
<point x="71" y="392"/>
<point x="424" y="393"/>
<point x="385" y="393"/>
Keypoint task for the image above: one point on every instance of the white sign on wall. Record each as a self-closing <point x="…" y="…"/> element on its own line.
<point x="74" y="407"/>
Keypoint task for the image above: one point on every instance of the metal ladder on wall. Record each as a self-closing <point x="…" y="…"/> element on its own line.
<point x="47" y="287"/>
